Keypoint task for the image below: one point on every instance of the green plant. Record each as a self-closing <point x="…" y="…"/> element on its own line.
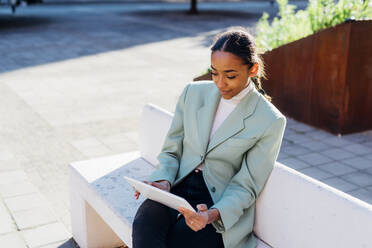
<point x="291" y="25"/>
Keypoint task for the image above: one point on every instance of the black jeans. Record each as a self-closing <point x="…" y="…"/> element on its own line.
<point x="156" y="225"/>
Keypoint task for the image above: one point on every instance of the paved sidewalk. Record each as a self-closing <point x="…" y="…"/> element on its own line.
<point x="26" y="217"/>
<point x="74" y="79"/>
<point x="344" y="162"/>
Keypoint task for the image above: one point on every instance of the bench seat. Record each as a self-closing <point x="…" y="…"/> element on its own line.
<point x="108" y="197"/>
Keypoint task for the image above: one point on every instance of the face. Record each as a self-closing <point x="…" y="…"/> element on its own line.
<point x="230" y="74"/>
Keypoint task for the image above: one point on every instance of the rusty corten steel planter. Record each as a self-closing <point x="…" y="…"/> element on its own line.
<point x="324" y="79"/>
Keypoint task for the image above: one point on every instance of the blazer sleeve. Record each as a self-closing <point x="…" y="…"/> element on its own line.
<point x="248" y="182"/>
<point x="171" y="151"/>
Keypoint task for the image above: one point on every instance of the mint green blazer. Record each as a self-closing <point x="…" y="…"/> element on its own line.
<point x="237" y="160"/>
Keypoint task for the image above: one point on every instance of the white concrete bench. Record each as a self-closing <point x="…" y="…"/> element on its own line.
<point x="293" y="210"/>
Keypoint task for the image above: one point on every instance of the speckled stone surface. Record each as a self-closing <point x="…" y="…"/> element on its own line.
<point x="119" y="194"/>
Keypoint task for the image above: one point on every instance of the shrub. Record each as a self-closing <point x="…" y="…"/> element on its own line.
<point x="291" y="25"/>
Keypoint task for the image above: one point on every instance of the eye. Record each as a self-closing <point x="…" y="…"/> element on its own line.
<point x="232" y="77"/>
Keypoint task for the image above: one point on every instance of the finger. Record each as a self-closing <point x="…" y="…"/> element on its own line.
<point x="202" y="207"/>
<point x="193" y="226"/>
<point x="187" y="211"/>
<point x="195" y="229"/>
<point x="198" y="223"/>
<point x="157" y="185"/>
<point x="182" y="209"/>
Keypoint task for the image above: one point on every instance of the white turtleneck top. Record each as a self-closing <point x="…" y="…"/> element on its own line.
<point x="225" y="107"/>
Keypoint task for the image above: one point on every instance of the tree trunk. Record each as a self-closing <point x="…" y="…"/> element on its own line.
<point x="193" y="9"/>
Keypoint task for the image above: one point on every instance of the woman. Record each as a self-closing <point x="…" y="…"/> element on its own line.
<point x="221" y="147"/>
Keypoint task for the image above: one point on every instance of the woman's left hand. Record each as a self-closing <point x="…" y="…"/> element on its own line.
<point x="196" y="220"/>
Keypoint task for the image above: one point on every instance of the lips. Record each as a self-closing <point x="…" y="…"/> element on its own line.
<point x="224" y="92"/>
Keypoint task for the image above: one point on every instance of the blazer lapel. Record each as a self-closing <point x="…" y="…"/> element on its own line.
<point x="205" y="116"/>
<point x="234" y="122"/>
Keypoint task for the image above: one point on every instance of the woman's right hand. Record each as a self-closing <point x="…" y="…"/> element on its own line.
<point x="161" y="184"/>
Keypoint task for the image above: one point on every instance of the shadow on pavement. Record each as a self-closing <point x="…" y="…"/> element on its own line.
<point x="11" y="22"/>
<point x="47" y="34"/>
<point x="69" y="244"/>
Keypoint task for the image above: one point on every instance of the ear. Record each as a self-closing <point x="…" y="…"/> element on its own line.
<point x="254" y="70"/>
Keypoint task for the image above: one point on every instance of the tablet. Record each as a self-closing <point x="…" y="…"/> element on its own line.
<point x="156" y="194"/>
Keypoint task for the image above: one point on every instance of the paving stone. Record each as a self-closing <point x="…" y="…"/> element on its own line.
<point x="369" y="188"/>
<point x="319" y="135"/>
<point x="337" y="168"/>
<point x="356" y="138"/>
<point x="133" y="136"/>
<point x="6" y="222"/>
<point x="34" y="217"/>
<point x="358" y="162"/>
<point x="44" y="235"/>
<point x="88" y="142"/>
<point x="340" y="184"/>
<point x="113" y="139"/>
<point x="314" y="158"/>
<point x="2" y="207"/>
<point x="369" y="171"/>
<point x="337" y="141"/>
<point x="16" y="189"/>
<point x="25" y="202"/>
<point x="288" y="131"/>
<point x="316" y="146"/>
<point x="368" y="157"/>
<point x="9" y="165"/>
<point x="295" y="138"/>
<point x="295" y="150"/>
<point x="338" y="154"/>
<point x="316" y="173"/>
<point x="12" y="240"/>
<point x="301" y="127"/>
<point x="359" y="178"/>
<point x="362" y="194"/>
<point x="116" y="148"/>
<point x="10" y="177"/>
<point x="91" y="147"/>
<point x="286" y="142"/>
<point x="359" y="149"/>
<point x="282" y="155"/>
<point x="66" y="220"/>
<point x="294" y="163"/>
<point x="6" y="155"/>
<point x="368" y="144"/>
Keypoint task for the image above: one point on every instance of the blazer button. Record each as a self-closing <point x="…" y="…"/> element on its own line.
<point x="213" y="189"/>
<point x="201" y="157"/>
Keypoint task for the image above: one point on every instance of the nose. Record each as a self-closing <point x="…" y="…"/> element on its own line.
<point x="220" y="83"/>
